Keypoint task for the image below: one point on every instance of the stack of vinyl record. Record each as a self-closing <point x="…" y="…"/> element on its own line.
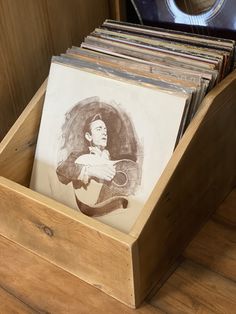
<point x="115" y="109"/>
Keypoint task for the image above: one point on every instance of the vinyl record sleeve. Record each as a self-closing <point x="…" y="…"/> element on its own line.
<point x="142" y="124"/>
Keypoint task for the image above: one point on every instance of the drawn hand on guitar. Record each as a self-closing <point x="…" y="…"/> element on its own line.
<point x="101" y="185"/>
<point x="108" y="184"/>
<point x="102" y="172"/>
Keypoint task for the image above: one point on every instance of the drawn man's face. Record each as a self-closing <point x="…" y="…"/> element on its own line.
<point x="98" y="134"/>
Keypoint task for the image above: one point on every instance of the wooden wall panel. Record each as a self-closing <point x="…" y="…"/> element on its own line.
<point x="7" y="112"/>
<point x="118" y="9"/>
<point x="30" y="33"/>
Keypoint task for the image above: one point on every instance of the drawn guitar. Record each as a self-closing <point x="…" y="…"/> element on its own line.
<point x="215" y="14"/>
<point x="100" y="197"/>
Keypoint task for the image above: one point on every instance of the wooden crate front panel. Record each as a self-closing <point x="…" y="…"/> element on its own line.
<point x="48" y="289"/>
<point x="94" y="252"/>
<point x="199" y="176"/>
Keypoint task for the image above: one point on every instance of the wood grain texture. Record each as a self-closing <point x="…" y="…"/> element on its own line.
<point x="96" y="253"/>
<point x="200" y="285"/>
<point x="198" y="177"/>
<point x="7" y="112"/>
<point x="194" y="289"/>
<point x="215" y="245"/>
<point x="26" y="51"/>
<point x="49" y="289"/>
<point x="192" y="185"/>
<point x="73" y="19"/>
<point x="118" y="9"/>
<point x="11" y="305"/>
<point x="18" y="146"/>
<point x="215" y="248"/>
<point x="226" y="213"/>
<point x="30" y="33"/>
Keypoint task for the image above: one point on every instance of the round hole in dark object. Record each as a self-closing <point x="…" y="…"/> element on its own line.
<point x="195" y="7"/>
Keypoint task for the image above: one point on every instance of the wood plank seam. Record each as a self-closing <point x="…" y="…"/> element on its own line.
<point x="232" y="281"/>
<point x="20" y="300"/>
<point x="224" y="222"/>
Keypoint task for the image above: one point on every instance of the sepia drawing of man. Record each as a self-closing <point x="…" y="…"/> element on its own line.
<point x="96" y="135"/>
<point x="95" y="168"/>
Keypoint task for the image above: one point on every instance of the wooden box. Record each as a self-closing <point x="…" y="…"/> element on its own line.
<point x="201" y="172"/>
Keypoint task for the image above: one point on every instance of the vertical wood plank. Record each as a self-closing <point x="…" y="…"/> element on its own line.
<point x="30" y="33"/>
<point x="26" y="48"/>
<point x="118" y="9"/>
<point x="7" y="113"/>
<point x="73" y="19"/>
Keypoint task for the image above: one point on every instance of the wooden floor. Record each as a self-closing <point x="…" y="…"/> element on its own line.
<point x="204" y="282"/>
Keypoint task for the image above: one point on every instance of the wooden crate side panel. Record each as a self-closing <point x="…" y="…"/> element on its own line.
<point x="18" y="147"/>
<point x="199" y="176"/>
<point x="94" y="252"/>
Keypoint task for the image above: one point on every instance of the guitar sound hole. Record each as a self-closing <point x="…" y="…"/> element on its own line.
<point x="195" y="7"/>
<point x="120" y="179"/>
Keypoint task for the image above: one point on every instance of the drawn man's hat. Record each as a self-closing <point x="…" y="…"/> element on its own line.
<point x="90" y="120"/>
<point x="97" y="116"/>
